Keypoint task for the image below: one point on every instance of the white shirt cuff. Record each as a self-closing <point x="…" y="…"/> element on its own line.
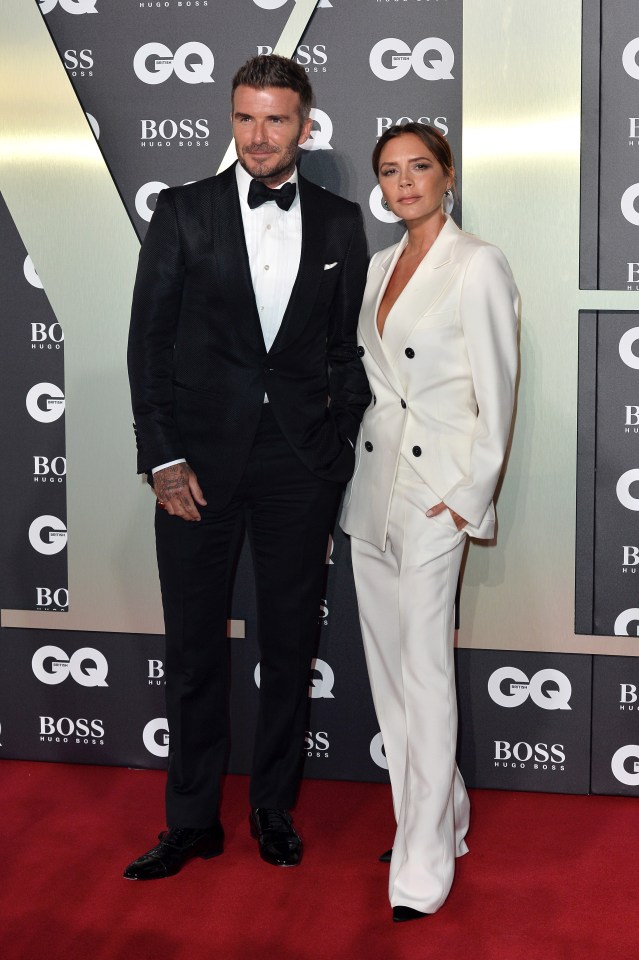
<point x="171" y="463"/>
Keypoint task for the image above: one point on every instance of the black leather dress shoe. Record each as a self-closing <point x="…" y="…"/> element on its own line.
<point x="278" y="841"/>
<point x="386" y="856"/>
<point x="176" y="847"/>
<point x="402" y="914"/>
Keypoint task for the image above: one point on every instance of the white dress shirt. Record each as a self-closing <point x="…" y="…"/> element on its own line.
<point x="274" y="244"/>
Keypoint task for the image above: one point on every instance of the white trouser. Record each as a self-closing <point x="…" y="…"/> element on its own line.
<point x="406" y="598"/>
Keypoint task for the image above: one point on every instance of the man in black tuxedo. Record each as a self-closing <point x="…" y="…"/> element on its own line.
<point x="247" y="393"/>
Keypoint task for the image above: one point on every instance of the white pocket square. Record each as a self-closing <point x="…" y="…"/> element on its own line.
<point x="329" y="266"/>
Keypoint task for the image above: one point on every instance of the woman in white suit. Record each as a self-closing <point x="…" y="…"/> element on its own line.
<point x="438" y="339"/>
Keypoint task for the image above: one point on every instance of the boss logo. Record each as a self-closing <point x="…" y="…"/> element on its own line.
<point x="156" y="673"/>
<point x="625" y="765"/>
<point x="316" y="744"/>
<point x="65" y="729"/>
<point x="440" y="123"/>
<point x="378" y="754"/>
<point x="630" y="558"/>
<point x="165" y="131"/>
<point x="156" y="737"/>
<point x="53" y="470"/>
<point x="632" y="416"/>
<point x="69" y="6"/>
<point x="46" y="598"/>
<point x="626" y="343"/>
<point x="51" y="665"/>
<point x="519" y="754"/>
<point x="402" y="58"/>
<point x="45" y="337"/>
<point x="556" y="696"/>
<point x="45" y="402"/>
<point x="627" y="696"/>
<point x="624" y="483"/>
<point x="313" y="59"/>
<point x="48" y="535"/>
<point x="627" y="623"/>
<point x="79" y="63"/>
<point x="193" y="62"/>
<point x="323" y="617"/>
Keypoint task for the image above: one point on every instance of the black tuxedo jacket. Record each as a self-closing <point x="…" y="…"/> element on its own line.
<point x="198" y="365"/>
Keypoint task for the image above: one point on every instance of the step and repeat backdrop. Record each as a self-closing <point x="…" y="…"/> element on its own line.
<point x="607" y="577"/>
<point x="153" y="79"/>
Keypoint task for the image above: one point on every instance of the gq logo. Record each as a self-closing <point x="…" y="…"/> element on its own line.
<point x="629" y="58"/>
<point x="54" y="402"/>
<point x="629" y="357"/>
<point x="156" y="737"/>
<point x="403" y="58"/>
<point x="378" y="754"/>
<point x="624" y="483"/>
<point x="48" y="535"/>
<point x="31" y="275"/>
<point x="320" y="136"/>
<point x="619" y="768"/>
<point x="144" y="194"/>
<point x="51" y="665"/>
<point x="71" y="6"/>
<point x="629" y="618"/>
<point x="520" y="688"/>
<point x="322" y="680"/>
<point x="193" y="62"/>
<point x="377" y="208"/>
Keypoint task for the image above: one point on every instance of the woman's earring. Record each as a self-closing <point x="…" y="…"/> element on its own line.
<point x="448" y="201"/>
<point x="385" y="203"/>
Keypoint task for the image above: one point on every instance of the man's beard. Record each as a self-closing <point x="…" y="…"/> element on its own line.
<point x="285" y="162"/>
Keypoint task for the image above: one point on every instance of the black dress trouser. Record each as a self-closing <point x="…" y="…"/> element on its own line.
<point x="289" y="513"/>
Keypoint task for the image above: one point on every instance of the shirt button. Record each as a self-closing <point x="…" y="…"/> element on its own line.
<point x="417" y="451"/>
<point x="410" y="353"/>
<point x="268" y="226"/>
<point x="368" y="445"/>
<point x="403" y="402"/>
<point x="360" y="351"/>
<point x="266" y="266"/>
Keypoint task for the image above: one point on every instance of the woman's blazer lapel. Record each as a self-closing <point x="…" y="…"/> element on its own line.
<point x="421" y="294"/>
<point x="380" y="272"/>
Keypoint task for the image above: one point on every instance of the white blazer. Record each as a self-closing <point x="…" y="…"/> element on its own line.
<point x="442" y="379"/>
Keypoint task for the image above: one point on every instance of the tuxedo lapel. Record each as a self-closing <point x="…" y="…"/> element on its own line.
<point x="310" y="273"/>
<point x="231" y="257"/>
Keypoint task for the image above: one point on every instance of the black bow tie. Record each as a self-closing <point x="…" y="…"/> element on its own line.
<point x="259" y="193"/>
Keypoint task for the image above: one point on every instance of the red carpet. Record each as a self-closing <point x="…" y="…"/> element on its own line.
<point x="548" y="877"/>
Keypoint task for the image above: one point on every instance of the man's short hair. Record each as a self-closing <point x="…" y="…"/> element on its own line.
<point x="274" y="71"/>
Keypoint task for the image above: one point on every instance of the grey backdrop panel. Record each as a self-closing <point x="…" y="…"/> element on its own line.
<point x="609" y="251"/>
<point x="33" y="446"/>
<point x="607" y="558"/>
<point x="521" y="728"/>
<point x="615" y="726"/>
